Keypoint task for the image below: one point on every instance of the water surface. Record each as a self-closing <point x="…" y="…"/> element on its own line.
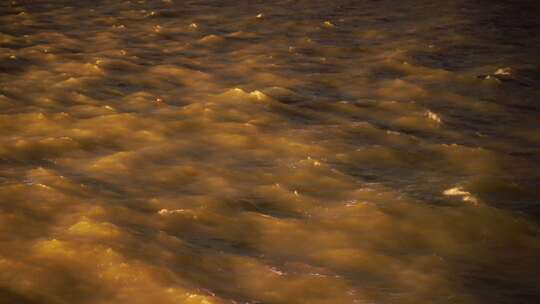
<point x="269" y="152"/>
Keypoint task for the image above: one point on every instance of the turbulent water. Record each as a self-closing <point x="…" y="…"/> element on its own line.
<point x="269" y="152"/>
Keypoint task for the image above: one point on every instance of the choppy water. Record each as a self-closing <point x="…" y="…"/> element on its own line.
<point x="269" y="152"/>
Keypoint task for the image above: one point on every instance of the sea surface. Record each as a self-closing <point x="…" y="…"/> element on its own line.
<point x="261" y="152"/>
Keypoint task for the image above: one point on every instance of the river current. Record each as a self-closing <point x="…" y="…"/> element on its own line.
<point x="211" y="152"/>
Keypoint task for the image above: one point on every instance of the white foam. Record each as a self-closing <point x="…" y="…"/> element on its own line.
<point x="166" y="212"/>
<point x="433" y="116"/>
<point x="328" y="24"/>
<point x="466" y="196"/>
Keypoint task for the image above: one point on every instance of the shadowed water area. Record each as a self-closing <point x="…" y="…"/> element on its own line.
<point x="209" y="152"/>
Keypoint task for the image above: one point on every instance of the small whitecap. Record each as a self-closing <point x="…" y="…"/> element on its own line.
<point x="165" y="212"/>
<point x="328" y="24"/>
<point x="466" y="196"/>
<point x="503" y="72"/>
<point x="433" y="116"/>
<point x="456" y="191"/>
<point x="276" y="271"/>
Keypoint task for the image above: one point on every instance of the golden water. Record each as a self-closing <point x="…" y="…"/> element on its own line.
<point x="269" y="152"/>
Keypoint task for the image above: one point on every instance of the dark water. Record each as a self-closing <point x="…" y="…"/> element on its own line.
<point x="269" y="152"/>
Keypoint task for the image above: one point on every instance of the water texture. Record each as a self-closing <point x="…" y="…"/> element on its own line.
<point x="269" y="152"/>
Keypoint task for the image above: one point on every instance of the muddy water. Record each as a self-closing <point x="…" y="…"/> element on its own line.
<point x="283" y="152"/>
